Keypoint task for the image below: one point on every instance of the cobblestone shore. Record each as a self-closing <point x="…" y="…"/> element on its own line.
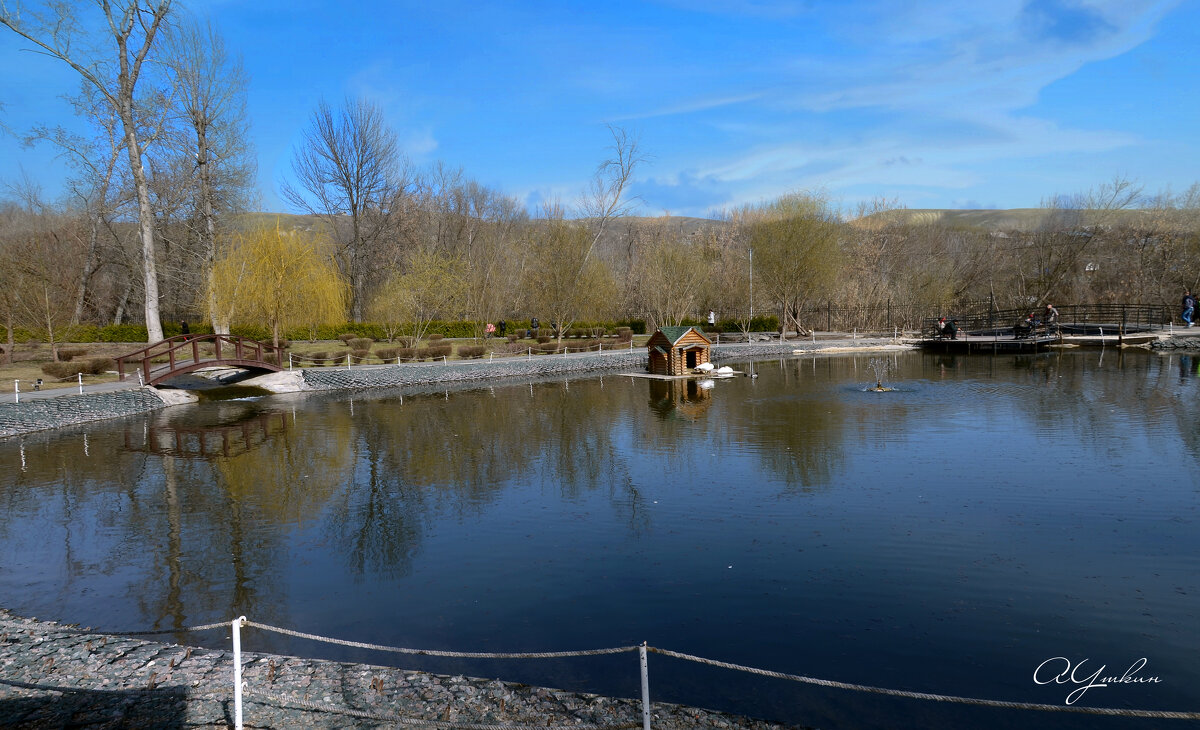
<point x="53" y="676"/>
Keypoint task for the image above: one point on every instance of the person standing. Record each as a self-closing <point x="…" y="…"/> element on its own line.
<point x="712" y="318"/>
<point x="1189" y="307"/>
<point x="1050" y="318"/>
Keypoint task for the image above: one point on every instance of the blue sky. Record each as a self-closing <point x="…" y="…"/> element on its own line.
<point x="934" y="104"/>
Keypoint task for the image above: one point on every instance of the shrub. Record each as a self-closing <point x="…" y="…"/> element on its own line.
<point x="543" y="339"/>
<point x="315" y="358"/>
<point x="513" y="337"/>
<point x="441" y="350"/>
<point x="387" y="354"/>
<point x="406" y="341"/>
<point x="63" y="370"/>
<point x="423" y="353"/>
<point x="547" y="348"/>
<point x="66" y="354"/>
<point x="624" y="335"/>
<point x="357" y="356"/>
<point x="345" y="337"/>
<point x="360" y="343"/>
<point x="406" y="353"/>
<point x="471" y="351"/>
<point x="271" y="358"/>
<point x="434" y="337"/>
<point x="100" y="365"/>
<point x="511" y="348"/>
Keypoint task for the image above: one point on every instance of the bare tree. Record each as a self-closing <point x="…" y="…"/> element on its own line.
<point x="210" y="92"/>
<point x="563" y="293"/>
<point x="348" y="168"/>
<point x="96" y="184"/>
<point x="131" y="27"/>
<point x="607" y="197"/>
<point x="1076" y="223"/>
<point x="672" y="274"/>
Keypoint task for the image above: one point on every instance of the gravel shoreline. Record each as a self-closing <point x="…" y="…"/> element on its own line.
<point x="53" y="676"/>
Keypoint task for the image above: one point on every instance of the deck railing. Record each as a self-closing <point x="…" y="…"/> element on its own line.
<point x="1072" y="319"/>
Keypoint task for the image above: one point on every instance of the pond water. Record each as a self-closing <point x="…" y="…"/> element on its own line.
<point x="949" y="536"/>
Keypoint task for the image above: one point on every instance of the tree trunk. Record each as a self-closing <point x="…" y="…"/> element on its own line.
<point x="208" y="230"/>
<point x="154" y="332"/>
<point x="89" y="268"/>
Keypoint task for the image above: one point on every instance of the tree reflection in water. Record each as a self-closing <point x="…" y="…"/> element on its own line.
<point x="528" y="515"/>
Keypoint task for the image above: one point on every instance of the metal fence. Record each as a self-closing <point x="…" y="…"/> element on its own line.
<point x="1076" y="319"/>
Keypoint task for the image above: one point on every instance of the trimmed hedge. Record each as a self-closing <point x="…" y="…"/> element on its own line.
<point x="377" y="332"/>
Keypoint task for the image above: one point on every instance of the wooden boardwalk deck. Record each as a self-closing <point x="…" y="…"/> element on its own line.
<point x="1007" y="343"/>
<point x="988" y="344"/>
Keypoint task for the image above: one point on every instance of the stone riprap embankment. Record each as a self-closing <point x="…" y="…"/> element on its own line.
<point x="1178" y="342"/>
<point x="385" y="376"/>
<point x="53" y="676"/>
<point x="331" y="378"/>
<point x="68" y="410"/>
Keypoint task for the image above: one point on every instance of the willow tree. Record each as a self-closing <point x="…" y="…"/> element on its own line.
<point x="277" y="278"/>
<point x="431" y="287"/>
<point x="797" y="257"/>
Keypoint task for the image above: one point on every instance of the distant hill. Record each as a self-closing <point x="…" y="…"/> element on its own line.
<point x="1014" y="219"/>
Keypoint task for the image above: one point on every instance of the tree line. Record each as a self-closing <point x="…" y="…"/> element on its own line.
<point x="156" y="220"/>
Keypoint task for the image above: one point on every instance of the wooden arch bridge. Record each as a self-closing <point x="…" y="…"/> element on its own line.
<point x="184" y="354"/>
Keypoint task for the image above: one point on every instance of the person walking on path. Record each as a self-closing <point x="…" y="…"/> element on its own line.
<point x="1189" y="307"/>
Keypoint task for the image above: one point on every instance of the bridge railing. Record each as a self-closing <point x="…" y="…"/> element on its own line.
<point x="180" y="347"/>
<point x="1077" y="317"/>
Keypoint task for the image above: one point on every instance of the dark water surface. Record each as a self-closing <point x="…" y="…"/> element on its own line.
<point x="949" y="537"/>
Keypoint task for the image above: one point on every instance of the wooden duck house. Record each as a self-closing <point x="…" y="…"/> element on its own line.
<point x="677" y="350"/>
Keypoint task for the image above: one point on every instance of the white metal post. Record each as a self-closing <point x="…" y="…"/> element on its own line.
<point x="17" y="390"/>
<point x="645" y="687"/>
<point x="80" y="383"/>
<point x="347" y="361"/>
<point x="289" y="361"/>
<point x="237" y="671"/>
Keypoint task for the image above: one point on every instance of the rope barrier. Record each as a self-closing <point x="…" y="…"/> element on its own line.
<point x="954" y="699"/>
<point x="417" y="722"/>
<point x="441" y="653"/>
<point x="152" y="632"/>
<point x="1159" y="714"/>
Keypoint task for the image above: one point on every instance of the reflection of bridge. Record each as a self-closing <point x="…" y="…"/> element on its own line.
<point x="205" y="442"/>
<point x="184" y="354"/>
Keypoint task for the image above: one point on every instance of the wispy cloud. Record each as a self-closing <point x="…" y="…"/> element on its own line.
<point x="935" y="94"/>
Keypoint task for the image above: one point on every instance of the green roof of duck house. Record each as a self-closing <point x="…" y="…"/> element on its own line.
<point x="675" y="334"/>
